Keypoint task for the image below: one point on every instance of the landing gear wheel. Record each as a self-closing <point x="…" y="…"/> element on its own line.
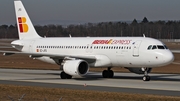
<point x="108" y="73"/>
<point x="146" y="78"/>
<point x="69" y="76"/>
<point x="105" y="74"/>
<point x="63" y="75"/>
<point x="111" y="74"/>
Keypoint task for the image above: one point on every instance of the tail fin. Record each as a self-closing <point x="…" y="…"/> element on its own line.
<point x="25" y="27"/>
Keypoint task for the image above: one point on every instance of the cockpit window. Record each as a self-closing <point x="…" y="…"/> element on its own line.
<point x="154" y="47"/>
<point x="160" y="47"/>
<point x="149" y="47"/>
<point x="165" y="47"/>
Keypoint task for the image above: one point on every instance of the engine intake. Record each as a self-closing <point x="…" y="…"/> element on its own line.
<point x="76" y="67"/>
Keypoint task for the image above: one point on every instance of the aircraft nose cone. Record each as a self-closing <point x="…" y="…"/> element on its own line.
<point x="168" y="58"/>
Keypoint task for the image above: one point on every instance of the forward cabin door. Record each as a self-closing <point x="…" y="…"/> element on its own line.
<point x="136" y="46"/>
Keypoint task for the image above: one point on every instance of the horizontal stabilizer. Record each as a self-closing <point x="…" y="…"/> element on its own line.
<point x="7" y="54"/>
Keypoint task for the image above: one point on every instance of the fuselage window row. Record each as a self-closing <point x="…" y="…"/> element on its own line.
<point x="86" y="47"/>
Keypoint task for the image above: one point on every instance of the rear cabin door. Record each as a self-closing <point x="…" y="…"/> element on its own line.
<point x="31" y="48"/>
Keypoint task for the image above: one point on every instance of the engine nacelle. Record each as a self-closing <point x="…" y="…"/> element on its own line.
<point x="76" y="67"/>
<point x="138" y="70"/>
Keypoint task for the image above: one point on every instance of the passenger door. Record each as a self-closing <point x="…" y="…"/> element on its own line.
<point x="136" y="46"/>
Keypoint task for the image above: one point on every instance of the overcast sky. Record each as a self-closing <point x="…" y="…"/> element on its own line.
<point x="80" y="11"/>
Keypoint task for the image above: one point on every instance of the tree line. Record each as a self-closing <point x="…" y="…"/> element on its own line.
<point x="155" y="29"/>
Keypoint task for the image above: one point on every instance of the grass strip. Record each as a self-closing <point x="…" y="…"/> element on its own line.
<point x="54" y="94"/>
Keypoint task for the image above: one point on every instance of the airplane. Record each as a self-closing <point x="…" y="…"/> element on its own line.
<point x="75" y="55"/>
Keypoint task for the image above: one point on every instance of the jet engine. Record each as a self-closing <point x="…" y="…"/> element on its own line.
<point x="76" y="67"/>
<point x="138" y="70"/>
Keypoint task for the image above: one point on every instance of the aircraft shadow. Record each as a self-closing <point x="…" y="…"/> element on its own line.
<point x="160" y="77"/>
<point x="166" y="77"/>
<point x="95" y="76"/>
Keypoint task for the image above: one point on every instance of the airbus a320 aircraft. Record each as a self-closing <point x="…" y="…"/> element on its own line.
<point x="76" y="54"/>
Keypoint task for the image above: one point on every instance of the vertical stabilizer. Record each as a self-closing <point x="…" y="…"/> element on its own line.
<point x="26" y="29"/>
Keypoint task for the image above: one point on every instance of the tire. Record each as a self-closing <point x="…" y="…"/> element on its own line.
<point x="146" y="78"/>
<point x="111" y="74"/>
<point x="63" y="75"/>
<point x="68" y="76"/>
<point x="105" y="74"/>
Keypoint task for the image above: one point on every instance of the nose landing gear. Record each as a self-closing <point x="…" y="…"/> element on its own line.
<point x="146" y="77"/>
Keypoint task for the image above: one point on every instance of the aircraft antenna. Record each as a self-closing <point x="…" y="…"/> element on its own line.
<point x="144" y="35"/>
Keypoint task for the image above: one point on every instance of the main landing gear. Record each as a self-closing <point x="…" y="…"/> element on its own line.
<point x="108" y="73"/>
<point x="63" y="75"/>
<point x="146" y="77"/>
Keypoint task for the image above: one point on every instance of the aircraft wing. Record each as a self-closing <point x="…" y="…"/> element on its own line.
<point x="88" y="58"/>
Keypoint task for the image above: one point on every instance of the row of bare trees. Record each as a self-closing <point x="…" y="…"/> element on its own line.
<point x="156" y="29"/>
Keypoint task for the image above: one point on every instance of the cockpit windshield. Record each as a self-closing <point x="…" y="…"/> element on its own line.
<point x="152" y="47"/>
<point x="149" y="47"/>
<point x="160" y="47"/>
<point x="165" y="46"/>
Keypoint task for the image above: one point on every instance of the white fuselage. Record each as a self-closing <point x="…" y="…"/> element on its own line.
<point x="109" y="51"/>
<point x="76" y="55"/>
